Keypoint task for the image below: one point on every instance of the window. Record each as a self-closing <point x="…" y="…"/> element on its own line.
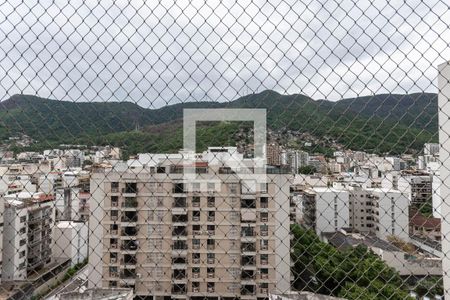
<point x="196" y="258"/>
<point x="211" y="229"/>
<point x="210" y="258"/>
<point x="264" y="259"/>
<point x="233" y="188"/>
<point x="264" y="230"/>
<point x="23" y="219"/>
<point x="264" y="202"/>
<point x="196" y="229"/>
<point x="264" y="244"/>
<point x="114" y="187"/>
<point x="264" y="216"/>
<point x="196" y="187"/>
<point x="195" y="244"/>
<point x="211" y="216"/>
<point x="210" y="287"/>
<point x="196" y="201"/>
<point x="210" y="244"/>
<point x="211" y="186"/>
<point x="211" y="202"/>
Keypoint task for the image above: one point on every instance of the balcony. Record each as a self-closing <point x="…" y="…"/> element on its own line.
<point x="248" y="260"/>
<point x="248" y="232"/>
<point x="128" y="274"/>
<point x="248" y="290"/>
<point x="179" y="218"/>
<point x="129" y="260"/>
<point x="130" y="203"/>
<point x="210" y="261"/>
<point x="129" y="231"/>
<point x="210" y="247"/>
<point x="178" y="188"/>
<point x="247" y="247"/>
<point x="247" y="275"/>
<point x="130" y="188"/>
<point x="179" y="246"/>
<point x="113" y="232"/>
<point x="210" y="275"/>
<point x="129" y="216"/>
<point x="196" y="260"/>
<point x="179" y="289"/>
<point x="179" y="231"/>
<point x="179" y="203"/>
<point x="130" y="245"/>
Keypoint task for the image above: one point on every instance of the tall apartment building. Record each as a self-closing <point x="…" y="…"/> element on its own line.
<point x="274" y="154"/>
<point x="171" y="239"/>
<point x="27" y="234"/>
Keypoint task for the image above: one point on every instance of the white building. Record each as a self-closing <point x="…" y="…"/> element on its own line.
<point x="70" y="241"/>
<point x="27" y="234"/>
<point x="380" y="211"/>
<point x="431" y="149"/>
<point x="325" y="209"/>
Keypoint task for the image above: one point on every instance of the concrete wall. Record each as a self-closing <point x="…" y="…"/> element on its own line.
<point x="444" y="156"/>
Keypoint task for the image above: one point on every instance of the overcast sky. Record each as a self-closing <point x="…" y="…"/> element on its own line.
<point x="156" y="53"/>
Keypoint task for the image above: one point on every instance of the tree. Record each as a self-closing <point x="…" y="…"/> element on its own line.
<point x="356" y="273"/>
<point x="307" y="170"/>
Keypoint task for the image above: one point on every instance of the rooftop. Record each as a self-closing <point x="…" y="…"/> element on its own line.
<point x="344" y="240"/>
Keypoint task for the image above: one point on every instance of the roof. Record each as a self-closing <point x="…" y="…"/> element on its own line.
<point x="344" y="241"/>
<point x="417" y="219"/>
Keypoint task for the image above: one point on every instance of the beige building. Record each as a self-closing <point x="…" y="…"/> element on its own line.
<point x="167" y="238"/>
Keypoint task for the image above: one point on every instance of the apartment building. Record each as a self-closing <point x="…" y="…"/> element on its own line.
<point x="27" y="234"/>
<point x="171" y="239"/>
<point x="325" y="209"/>
<point x="379" y="210"/>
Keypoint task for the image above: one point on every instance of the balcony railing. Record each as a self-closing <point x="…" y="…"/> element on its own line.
<point x="129" y="219"/>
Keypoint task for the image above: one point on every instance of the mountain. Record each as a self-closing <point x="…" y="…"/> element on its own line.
<point x="380" y="123"/>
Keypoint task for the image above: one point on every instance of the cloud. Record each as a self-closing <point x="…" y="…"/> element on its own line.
<point x="162" y="52"/>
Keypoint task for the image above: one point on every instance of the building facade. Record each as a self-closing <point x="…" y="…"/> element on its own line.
<point x="27" y="234"/>
<point x="167" y="238"/>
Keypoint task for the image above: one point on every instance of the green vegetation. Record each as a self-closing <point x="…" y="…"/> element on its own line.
<point x="352" y="274"/>
<point x="378" y="124"/>
<point x="430" y="287"/>
<point x="307" y="170"/>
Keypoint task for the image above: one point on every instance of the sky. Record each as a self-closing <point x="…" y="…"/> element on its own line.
<point x="156" y="53"/>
